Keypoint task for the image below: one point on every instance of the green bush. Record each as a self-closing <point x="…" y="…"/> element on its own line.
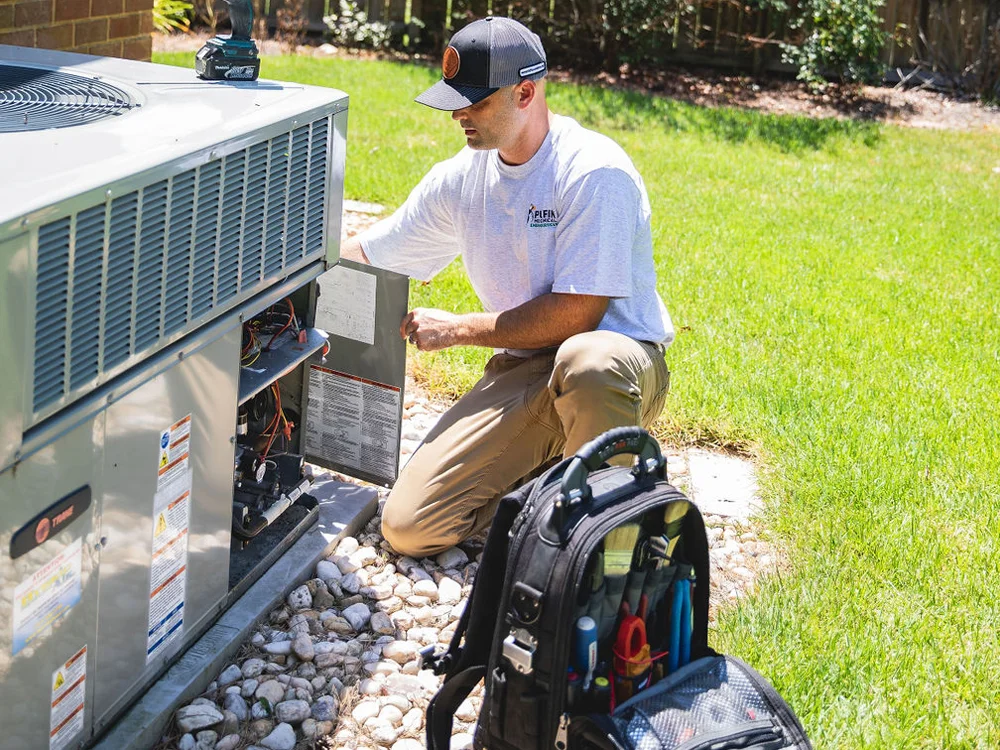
<point x="842" y="39"/>
<point x="351" y="28"/>
<point x="171" y="15"/>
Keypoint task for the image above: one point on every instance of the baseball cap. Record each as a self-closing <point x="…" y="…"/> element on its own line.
<point x="482" y="57"/>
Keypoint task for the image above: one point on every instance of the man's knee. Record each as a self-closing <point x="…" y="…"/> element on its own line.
<point x="401" y="530"/>
<point x="408" y="535"/>
<point x="587" y="366"/>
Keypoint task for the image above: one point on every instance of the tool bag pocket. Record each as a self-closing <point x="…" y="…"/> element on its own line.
<point x="714" y="703"/>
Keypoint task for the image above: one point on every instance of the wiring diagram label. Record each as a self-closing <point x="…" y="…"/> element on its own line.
<point x="69" y="691"/>
<point x="171" y="517"/>
<point x="47" y="596"/>
<point x="353" y="421"/>
<point x="347" y="306"/>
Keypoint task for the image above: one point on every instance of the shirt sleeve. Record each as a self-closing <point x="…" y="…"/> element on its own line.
<point x="419" y="239"/>
<point x="596" y="233"/>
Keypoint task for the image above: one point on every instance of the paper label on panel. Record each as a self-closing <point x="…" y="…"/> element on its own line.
<point x="69" y="690"/>
<point x="347" y="305"/>
<point x="354" y="421"/>
<point x="171" y="518"/>
<point x="47" y="596"/>
<point x="173" y="457"/>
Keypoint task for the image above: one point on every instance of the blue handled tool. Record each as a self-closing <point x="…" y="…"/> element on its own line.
<point x="685" y="640"/>
<point x="585" y="649"/>
<point x="674" y="628"/>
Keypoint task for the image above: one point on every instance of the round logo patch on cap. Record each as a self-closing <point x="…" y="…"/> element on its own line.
<point x="450" y="63"/>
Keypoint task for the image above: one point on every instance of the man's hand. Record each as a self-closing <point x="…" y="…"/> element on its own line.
<point x="429" y="329"/>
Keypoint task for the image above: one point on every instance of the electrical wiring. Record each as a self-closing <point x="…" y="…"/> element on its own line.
<point x="285" y="327"/>
<point x="279" y="416"/>
<point x="252" y="349"/>
<point x="272" y="323"/>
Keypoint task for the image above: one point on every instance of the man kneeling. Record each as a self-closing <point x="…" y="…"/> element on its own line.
<point x="553" y="224"/>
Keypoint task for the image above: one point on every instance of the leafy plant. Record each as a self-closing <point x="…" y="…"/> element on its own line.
<point x="842" y="38"/>
<point x="172" y="15"/>
<point x="291" y="23"/>
<point x="351" y="28"/>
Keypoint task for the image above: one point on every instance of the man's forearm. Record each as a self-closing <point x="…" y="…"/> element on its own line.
<point x="542" y="322"/>
<point x="351" y="250"/>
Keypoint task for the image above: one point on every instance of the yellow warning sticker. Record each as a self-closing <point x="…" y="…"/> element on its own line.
<point x="69" y="691"/>
<point x="173" y="456"/>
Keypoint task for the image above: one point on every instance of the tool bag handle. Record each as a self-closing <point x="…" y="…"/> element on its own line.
<point x="614" y="442"/>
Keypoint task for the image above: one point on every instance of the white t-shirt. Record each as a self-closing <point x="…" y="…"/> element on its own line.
<point x="572" y="219"/>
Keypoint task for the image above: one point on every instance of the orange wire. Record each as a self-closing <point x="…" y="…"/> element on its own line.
<point x="278" y="415"/>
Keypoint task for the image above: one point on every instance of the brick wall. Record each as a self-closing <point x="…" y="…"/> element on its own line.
<point x="115" y="28"/>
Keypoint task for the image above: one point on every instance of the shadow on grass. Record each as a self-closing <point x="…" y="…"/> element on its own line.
<point x="629" y="110"/>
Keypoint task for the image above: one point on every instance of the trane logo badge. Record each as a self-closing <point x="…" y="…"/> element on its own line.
<point x="49" y="522"/>
<point x="542" y="217"/>
<point x="240" y="72"/>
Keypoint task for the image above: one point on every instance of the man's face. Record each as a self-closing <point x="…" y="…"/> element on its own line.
<point x="489" y="123"/>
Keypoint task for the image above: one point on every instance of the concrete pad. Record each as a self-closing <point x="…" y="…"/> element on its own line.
<point x="344" y="509"/>
<point x="723" y="485"/>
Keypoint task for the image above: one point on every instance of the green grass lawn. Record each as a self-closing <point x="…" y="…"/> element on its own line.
<point x="837" y="297"/>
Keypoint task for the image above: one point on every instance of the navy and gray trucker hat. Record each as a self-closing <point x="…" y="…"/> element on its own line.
<point x="484" y="56"/>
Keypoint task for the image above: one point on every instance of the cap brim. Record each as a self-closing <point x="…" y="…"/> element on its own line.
<point x="447" y="96"/>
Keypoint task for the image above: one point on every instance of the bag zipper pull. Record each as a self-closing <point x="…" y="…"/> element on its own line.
<point x="562" y="733"/>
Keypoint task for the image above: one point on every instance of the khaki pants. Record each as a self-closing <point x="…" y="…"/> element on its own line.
<point x="522" y="414"/>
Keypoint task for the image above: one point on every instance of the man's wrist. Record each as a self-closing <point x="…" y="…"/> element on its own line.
<point x="472" y="329"/>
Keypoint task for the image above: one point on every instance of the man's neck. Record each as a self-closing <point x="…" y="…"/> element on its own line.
<point x="530" y="140"/>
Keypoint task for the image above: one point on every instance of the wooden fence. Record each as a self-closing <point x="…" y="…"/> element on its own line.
<point x="946" y="36"/>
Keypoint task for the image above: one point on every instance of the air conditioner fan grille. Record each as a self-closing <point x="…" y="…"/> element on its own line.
<point x="39" y="99"/>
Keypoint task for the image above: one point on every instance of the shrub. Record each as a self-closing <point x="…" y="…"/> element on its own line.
<point x="351" y="28"/>
<point x="843" y="38"/>
<point x="169" y="15"/>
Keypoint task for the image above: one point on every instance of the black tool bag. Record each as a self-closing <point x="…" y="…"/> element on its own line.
<point x="560" y="548"/>
<point x="714" y="703"/>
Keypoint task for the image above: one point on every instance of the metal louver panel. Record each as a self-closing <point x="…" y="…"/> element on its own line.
<point x="206" y="238"/>
<point x="178" y="280"/>
<point x="50" y="312"/>
<point x="118" y="281"/>
<point x="149" y="289"/>
<point x="277" y="190"/>
<point x="297" y="185"/>
<point x="121" y="269"/>
<point x="88" y="267"/>
<point x="316" y="208"/>
<point x="231" y="227"/>
<point x="253" y="222"/>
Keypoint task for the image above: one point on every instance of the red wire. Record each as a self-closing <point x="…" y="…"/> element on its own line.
<point x="278" y="414"/>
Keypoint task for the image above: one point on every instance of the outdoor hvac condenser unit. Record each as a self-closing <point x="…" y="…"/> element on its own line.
<point x="171" y="362"/>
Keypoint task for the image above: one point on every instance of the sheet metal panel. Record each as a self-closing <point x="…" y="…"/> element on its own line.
<point x="382" y="362"/>
<point x="203" y="386"/>
<point x="335" y="186"/>
<point x="15" y="344"/>
<point x="26" y="678"/>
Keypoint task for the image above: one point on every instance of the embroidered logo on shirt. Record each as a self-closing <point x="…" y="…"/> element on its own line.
<point x="542" y="217"/>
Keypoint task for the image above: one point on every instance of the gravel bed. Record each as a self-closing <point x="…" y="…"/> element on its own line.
<point x="336" y="666"/>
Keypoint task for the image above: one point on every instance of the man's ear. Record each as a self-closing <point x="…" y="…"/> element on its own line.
<point x="525" y="94"/>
